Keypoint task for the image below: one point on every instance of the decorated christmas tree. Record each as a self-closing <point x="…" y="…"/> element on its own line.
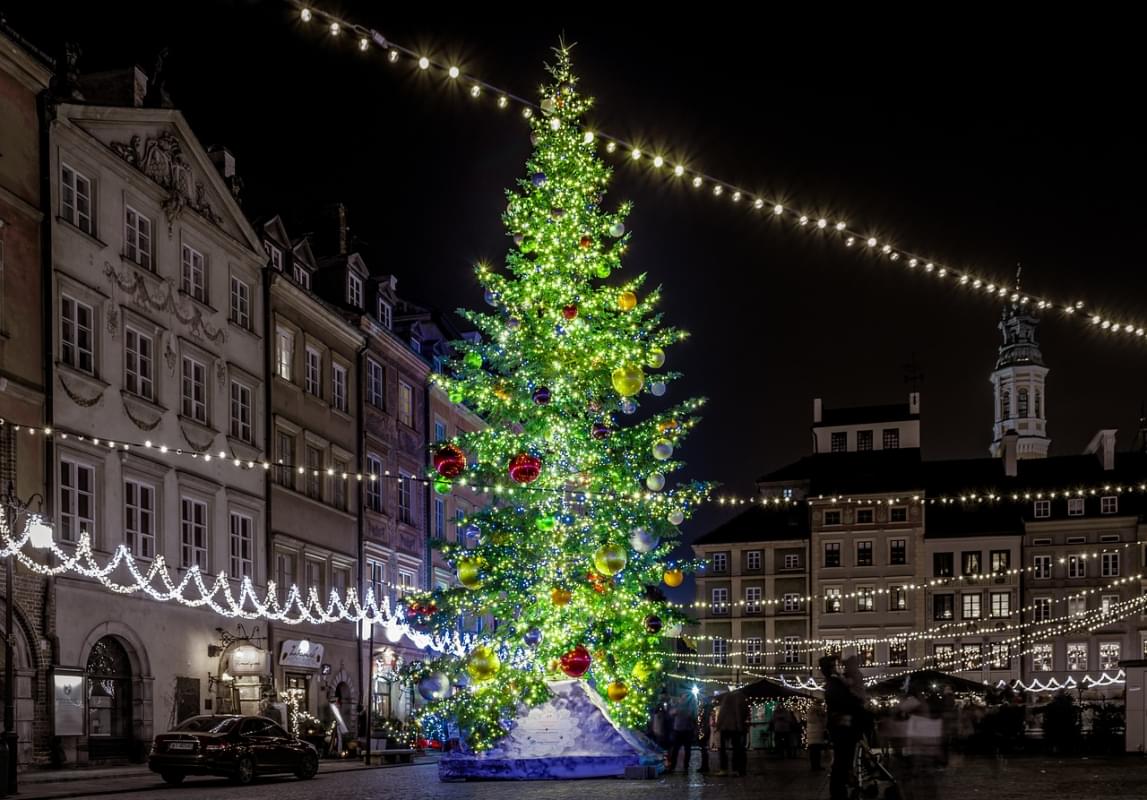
<point x="569" y="555"/>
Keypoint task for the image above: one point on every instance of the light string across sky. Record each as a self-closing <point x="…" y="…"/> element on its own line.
<point x="736" y="197"/>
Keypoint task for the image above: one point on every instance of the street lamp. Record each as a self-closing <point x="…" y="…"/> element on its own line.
<point x="40" y="534"/>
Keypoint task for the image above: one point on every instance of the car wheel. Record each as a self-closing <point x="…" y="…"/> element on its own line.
<point x="308" y="768"/>
<point x="173" y="777"/>
<point x="245" y="770"/>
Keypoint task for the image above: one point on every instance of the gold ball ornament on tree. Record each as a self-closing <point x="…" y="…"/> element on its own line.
<point x="628" y="380"/>
<point x="560" y="596"/>
<point x="627" y="301"/>
<point x="482" y="664"/>
<point x="617" y="691"/>
<point x="673" y="578"/>
<point x="470" y="572"/>
<point x="609" y="559"/>
<point x="655" y="358"/>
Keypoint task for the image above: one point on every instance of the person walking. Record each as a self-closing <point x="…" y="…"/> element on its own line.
<point x="815" y="731"/>
<point x="684" y="716"/>
<point x="844" y="717"/>
<point x="733" y="723"/>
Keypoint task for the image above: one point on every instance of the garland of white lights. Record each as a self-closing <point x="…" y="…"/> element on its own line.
<point x="368" y="39"/>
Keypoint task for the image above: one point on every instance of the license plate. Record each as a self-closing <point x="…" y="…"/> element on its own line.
<point x="181" y="746"/>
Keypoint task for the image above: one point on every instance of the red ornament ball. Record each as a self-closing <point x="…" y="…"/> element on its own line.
<point x="576" y="662"/>
<point x="570" y="311"/>
<point x="586" y="242"/>
<point x="449" y="461"/>
<point x="600" y="431"/>
<point x="525" y="468"/>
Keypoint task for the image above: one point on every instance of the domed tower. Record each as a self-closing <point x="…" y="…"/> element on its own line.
<point x="1019" y="383"/>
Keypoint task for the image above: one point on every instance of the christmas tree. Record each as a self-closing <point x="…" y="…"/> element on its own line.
<point x="573" y="547"/>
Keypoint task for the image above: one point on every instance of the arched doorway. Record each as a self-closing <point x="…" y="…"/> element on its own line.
<point x="109" y="700"/>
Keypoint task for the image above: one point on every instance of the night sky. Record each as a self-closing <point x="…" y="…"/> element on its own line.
<point x="984" y="148"/>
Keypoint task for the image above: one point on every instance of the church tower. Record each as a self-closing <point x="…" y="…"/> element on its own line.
<point x="1019" y="384"/>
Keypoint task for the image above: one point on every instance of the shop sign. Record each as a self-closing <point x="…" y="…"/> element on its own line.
<point x="247" y="660"/>
<point x="301" y="653"/>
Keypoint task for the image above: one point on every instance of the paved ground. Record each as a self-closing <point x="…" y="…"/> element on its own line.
<point x="980" y="778"/>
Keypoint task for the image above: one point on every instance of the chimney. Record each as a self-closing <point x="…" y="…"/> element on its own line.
<point x="1008" y="448"/>
<point x="223" y="160"/>
<point x="816" y="415"/>
<point x="341" y="211"/>
<point x="1103" y="446"/>
<point x="120" y="87"/>
<point x="914" y="403"/>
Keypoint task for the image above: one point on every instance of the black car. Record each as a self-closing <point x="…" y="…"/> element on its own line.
<point x="235" y="747"/>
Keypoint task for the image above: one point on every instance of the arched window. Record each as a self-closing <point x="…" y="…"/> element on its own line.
<point x="1038" y="409"/>
<point x="1022" y="403"/>
<point x="1005" y="403"/>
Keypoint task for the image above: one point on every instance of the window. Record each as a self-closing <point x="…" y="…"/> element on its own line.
<point x="944" y="655"/>
<point x="439" y="430"/>
<point x="138" y="363"/>
<point x="385" y="313"/>
<point x="792" y="650"/>
<point x="865" y="516"/>
<point x="943" y="565"/>
<point x="970" y="562"/>
<point x="838" y="441"/>
<point x="971" y="605"/>
<point x="76" y="199"/>
<point x="833" y="647"/>
<point x="1076" y="656"/>
<point x="1076" y="606"/>
<point x="374" y="384"/>
<point x="416" y="344"/>
<point x="340" y="580"/>
<point x="1005" y="404"/>
<point x="752" y="599"/>
<point x="864" y="554"/>
<point x="1107" y="604"/>
<point x="719" y="601"/>
<point x="1075" y="507"/>
<point x="999" y="561"/>
<point x="752" y="651"/>
<point x="999" y="655"/>
<point x="193" y="534"/>
<point x="194" y="391"/>
<point x="354" y="290"/>
<point x="285" y="442"/>
<point x="240" y="303"/>
<point x="891" y="438"/>
<point x="405" y="582"/>
<point x="193" y="275"/>
<point x="1109" y="564"/>
<point x="439" y="517"/>
<point x="374" y="482"/>
<point x="1076" y="539"/>
<point x="284" y="352"/>
<point x="1042" y="509"/>
<point x="1041" y="567"/>
<point x="76" y="342"/>
<point x="865" y="599"/>
<point x="313" y="372"/>
<point x="375" y="575"/>
<point x="720" y="651"/>
<point x="301" y="275"/>
<point x="898" y="514"/>
<point x="405" y="511"/>
<point x="275" y="254"/>
<point x="898" y="653"/>
<point x="406" y="404"/>
<point x="864" y="440"/>
<point x="943" y="607"/>
<point x="136" y="237"/>
<point x="339" y="484"/>
<point x="285" y="574"/>
<point x="242" y="546"/>
<point x="720" y="562"/>
<point x="1001" y="604"/>
<point x="832" y="554"/>
<point x="867" y="654"/>
<point x="791" y="602"/>
<point x="139" y="518"/>
<point x="971" y="656"/>
<point x="1022" y="403"/>
<point x="1109" y="505"/>
<point x="1076" y="567"/>
<point x="314" y="481"/>
<point x="1041" y="609"/>
<point x="898" y="598"/>
<point x="1038" y="410"/>
<point x="338" y="387"/>
<point x="241" y="411"/>
<point x="832" y="517"/>
<point x="832" y="600"/>
<point x="792" y="561"/>
<point x="1109" y="655"/>
<point x="315" y="578"/>
<point x="1042" y="660"/>
<point x="898" y="551"/>
<point x="753" y="561"/>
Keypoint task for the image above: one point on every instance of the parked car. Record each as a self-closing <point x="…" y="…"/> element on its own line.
<point x="235" y="747"/>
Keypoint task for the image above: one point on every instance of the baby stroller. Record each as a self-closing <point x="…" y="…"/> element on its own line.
<point x="872" y="779"/>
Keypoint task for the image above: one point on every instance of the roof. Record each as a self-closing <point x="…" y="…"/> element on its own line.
<point x="870" y="470"/>
<point x="857" y="415"/>
<point x="759" y="524"/>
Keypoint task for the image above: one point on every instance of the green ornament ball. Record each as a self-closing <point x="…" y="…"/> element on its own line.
<point x="602" y="271"/>
<point x="442" y="486"/>
<point x="473" y="360"/>
<point x="545" y="522"/>
<point x="456" y="396"/>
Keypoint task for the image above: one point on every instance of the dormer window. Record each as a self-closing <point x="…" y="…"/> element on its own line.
<point x="354" y="290"/>
<point x="301" y="276"/>
<point x="385" y="314"/>
<point x="416" y="345"/>
<point x="275" y="254"/>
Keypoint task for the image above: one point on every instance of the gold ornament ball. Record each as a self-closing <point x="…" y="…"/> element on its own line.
<point x="656" y="358"/>
<point x="559" y="596"/>
<point x="483" y="664"/>
<point x="617" y="691"/>
<point x="627" y="301"/>
<point x="609" y="559"/>
<point x="628" y="380"/>
<point x="470" y="572"/>
<point x="673" y="577"/>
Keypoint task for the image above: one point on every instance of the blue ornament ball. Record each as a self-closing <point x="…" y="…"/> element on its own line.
<point x="491" y="297"/>
<point x="539" y="179"/>
<point x="658" y="388"/>
<point x="434" y="686"/>
<point x="643" y="541"/>
<point x="628" y="406"/>
<point x="533" y="637"/>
